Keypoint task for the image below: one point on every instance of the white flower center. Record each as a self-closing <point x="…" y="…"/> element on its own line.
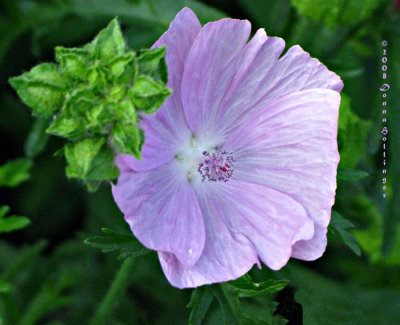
<point x="210" y="162"/>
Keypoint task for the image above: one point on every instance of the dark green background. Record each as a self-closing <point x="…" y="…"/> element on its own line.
<point x="59" y="280"/>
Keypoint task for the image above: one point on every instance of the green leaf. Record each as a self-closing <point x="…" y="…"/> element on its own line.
<point x="124" y="65"/>
<point x="147" y="94"/>
<point x="109" y="43"/>
<point x="68" y="126"/>
<point x="97" y="76"/>
<point x="90" y="160"/>
<point x="73" y="61"/>
<point x="102" y="167"/>
<point x="200" y="302"/>
<point x="346" y="174"/>
<point x="341" y="225"/>
<point x="237" y="308"/>
<point x="80" y="100"/>
<point x="80" y="156"/>
<point x="14" y="172"/>
<point x="246" y="287"/>
<point x="124" y="112"/>
<point x="42" y="88"/>
<point x="126" y="245"/>
<point x="127" y="139"/>
<point x="335" y="12"/>
<point x="152" y="63"/>
<point x="352" y="135"/>
<point x="228" y="303"/>
<point x="11" y="223"/>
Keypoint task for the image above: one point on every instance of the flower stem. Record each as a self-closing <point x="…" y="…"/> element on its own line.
<point x="117" y="288"/>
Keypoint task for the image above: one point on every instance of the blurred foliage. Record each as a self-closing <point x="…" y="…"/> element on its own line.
<point x="334" y="12"/>
<point x="15" y="172"/>
<point x="49" y="276"/>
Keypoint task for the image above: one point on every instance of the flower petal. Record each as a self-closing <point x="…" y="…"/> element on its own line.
<point x="242" y="220"/>
<point x="162" y="210"/>
<point x="167" y="128"/>
<point x="225" y="256"/>
<point x="291" y="146"/>
<point x="210" y="68"/>
<point x="269" y="78"/>
<point x="310" y="250"/>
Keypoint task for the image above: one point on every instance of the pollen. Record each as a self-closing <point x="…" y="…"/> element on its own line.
<point x="216" y="165"/>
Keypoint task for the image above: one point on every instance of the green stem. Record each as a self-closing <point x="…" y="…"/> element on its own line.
<point x="117" y="288"/>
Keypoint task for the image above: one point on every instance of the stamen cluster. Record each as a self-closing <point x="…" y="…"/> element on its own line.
<point x="217" y="165"/>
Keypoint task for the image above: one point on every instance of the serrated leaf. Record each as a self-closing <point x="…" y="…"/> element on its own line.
<point x="126" y="139"/>
<point x="347" y="174"/>
<point x="73" y="61"/>
<point x="126" y="245"/>
<point x="109" y="43"/>
<point x="14" y="172"/>
<point x="147" y="94"/>
<point x="200" y="302"/>
<point x="246" y="287"/>
<point x="42" y="88"/>
<point x="152" y="63"/>
<point x="341" y="225"/>
<point x="80" y="156"/>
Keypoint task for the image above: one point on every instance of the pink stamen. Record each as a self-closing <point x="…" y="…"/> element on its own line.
<point x="216" y="166"/>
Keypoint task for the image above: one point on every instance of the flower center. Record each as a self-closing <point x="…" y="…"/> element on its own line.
<point x="216" y="165"/>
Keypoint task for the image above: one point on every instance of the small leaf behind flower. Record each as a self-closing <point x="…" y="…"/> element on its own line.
<point x="247" y="288"/>
<point x="126" y="245"/>
<point x="340" y="225"/>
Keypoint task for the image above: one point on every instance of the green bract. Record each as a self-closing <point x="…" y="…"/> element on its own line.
<point x="95" y="95"/>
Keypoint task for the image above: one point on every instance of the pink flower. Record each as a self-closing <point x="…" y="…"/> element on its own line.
<point x="239" y="164"/>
